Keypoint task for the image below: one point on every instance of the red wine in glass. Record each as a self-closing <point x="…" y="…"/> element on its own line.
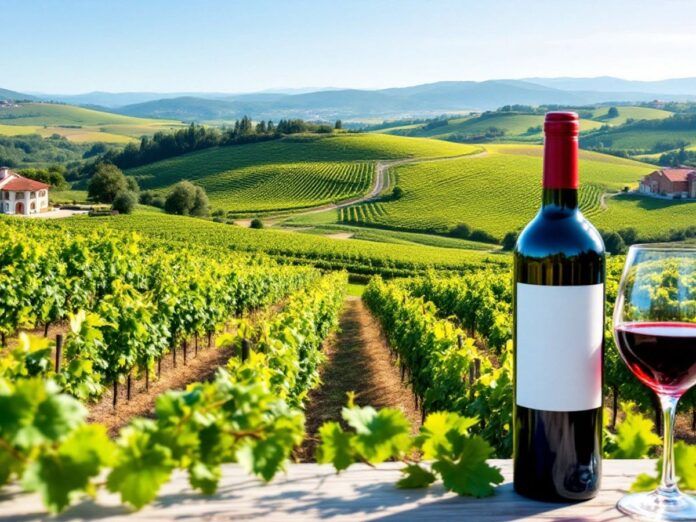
<point x="661" y="354"/>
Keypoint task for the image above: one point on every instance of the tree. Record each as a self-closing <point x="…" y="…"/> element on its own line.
<point x="261" y="127"/>
<point x="53" y="175"/>
<point x="124" y="202"/>
<point x="338" y="125"/>
<point x="107" y="182"/>
<point x="613" y="112"/>
<point x="187" y="199"/>
<point x="256" y="223"/>
<point x="132" y="184"/>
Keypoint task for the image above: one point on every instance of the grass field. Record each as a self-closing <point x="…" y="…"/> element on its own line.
<point x="292" y="172"/>
<point x="357" y="256"/>
<point x="68" y="196"/>
<point x="501" y="191"/>
<point x="77" y="123"/>
<point x="625" y="113"/>
<point x="640" y="139"/>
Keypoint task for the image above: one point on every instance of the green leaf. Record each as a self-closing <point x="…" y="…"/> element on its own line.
<point x="469" y="473"/>
<point x="336" y="446"/>
<point x="58" y="415"/>
<point x="645" y="482"/>
<point x="380" y="435"/>
<point x="60" y="475"/>
<point x="635" y="436"/>
<point x="685" y="465"/>
<point x="415" y="477"/>
<point x="204" y="477"/>
<point x="433" y="438"/>
<point x="142" y="468"/>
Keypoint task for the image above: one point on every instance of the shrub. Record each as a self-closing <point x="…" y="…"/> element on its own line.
<point x="187" y="199"/>
<point x="256" y="223"/>
<point x="397" y="193"/>
<point x="124" y="202"/>
<point x="629" y="235"/>
<point x="483" y="236"/>
<point x="510" y="240"/>
<point x="613" y="242"/>
<point x="462" y="231"/>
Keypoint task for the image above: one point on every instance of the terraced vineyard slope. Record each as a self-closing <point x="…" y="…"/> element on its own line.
<point x="500" y="191"/>
<point x="293" y="172"/>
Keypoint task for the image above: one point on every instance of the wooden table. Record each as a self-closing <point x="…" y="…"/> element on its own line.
<point x="311" y="492"/>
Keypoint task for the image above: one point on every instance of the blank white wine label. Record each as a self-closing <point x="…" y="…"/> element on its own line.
<point x="560" y="330"/>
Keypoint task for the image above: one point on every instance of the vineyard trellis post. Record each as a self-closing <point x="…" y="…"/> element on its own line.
<point x="246" y="349"/>
<point x="59" y="352"/>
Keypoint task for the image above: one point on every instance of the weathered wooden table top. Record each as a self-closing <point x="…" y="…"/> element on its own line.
<point x="311" y="492"/>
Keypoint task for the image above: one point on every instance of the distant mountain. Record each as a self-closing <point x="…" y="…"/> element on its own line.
<point x="675" y="86"/>
<point x="417" y="101"/>
<point x="426" y="100"/>
<point x="6" y="95"/>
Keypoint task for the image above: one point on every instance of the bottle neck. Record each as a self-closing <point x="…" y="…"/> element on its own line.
<point x="560" y="180"/>
<point x="559" y="199"/>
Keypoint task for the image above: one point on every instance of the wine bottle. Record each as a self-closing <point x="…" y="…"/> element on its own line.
<point x="559" y="334"/>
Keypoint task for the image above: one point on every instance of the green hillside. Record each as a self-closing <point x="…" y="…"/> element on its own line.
<point x="626" y="113"/>
<point x="293" y="172"/>
<point x="76" y="123"/>
<point x="500" y="192"/>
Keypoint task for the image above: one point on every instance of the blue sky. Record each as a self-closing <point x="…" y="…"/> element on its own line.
<point x="73" y="46"/>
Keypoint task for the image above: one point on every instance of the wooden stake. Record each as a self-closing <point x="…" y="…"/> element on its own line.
<point x="246" y="349"/>
<point x="46" y="329"/>
<point x="184" y="346"/>
<point x="147" y="378"/>
<point x="159" y="367"/>
<point x="174" y="354"/>
<point x="195" y="353"/>
<point x="59" y="352"/>
<point x="128" y="388"/>
<point x="115" y="401"/>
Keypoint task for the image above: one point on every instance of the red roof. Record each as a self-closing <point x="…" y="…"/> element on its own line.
<point x="677" y="174"/>
<point x="21" y="183"/>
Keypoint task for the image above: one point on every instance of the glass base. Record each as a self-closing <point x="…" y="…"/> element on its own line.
<point x="659" y="505"/>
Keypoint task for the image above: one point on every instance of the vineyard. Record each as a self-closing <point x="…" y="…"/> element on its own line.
<point x="129" y="300"/>
<point x="292" y="172"/>
<point x="499" y="192"/>
<point x="357" y="256"/>
<point x="278" y="187"/>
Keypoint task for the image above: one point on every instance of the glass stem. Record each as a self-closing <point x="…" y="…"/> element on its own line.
<point x="668" y="485"/>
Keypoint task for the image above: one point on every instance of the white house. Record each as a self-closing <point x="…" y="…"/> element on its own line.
<point x="20" y="195"/>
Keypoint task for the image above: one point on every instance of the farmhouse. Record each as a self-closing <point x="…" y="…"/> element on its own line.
<point x="675" y="183"/>
<point x="20" y="195"/>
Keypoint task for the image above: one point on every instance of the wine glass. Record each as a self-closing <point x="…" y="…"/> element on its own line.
<point x="655" y="332"/>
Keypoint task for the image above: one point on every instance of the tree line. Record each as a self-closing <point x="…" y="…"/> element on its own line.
<point x="163" y="145"/>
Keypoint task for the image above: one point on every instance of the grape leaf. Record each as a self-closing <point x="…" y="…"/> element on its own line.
<point x="143" y="466"/>
<point x="433" y="438"/>
<point x="336" y="446"/>
<point x="468" y="473"/>
<point x="684" y="469"/>
<point x="204" y="477"/>
<point x="415" y="477"/>
<point x="381" y="434"/>
<point x="634" y="436"/>
<point x="59" y="475"/>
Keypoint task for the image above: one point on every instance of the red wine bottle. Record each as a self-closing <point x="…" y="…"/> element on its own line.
<point x="559" y="334"/>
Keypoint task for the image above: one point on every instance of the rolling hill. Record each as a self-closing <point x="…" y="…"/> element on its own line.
<point x="500" y="192"/>
<point x="293" y="172"/>
<point x="76" y="123"/>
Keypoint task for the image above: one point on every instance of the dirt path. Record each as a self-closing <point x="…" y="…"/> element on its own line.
<point x="381" y="183"/>
<point x="200" y="367"/>
<point x="358" y="360"/>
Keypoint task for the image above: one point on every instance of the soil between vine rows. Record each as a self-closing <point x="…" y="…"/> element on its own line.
<point x="358" y="360"/>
